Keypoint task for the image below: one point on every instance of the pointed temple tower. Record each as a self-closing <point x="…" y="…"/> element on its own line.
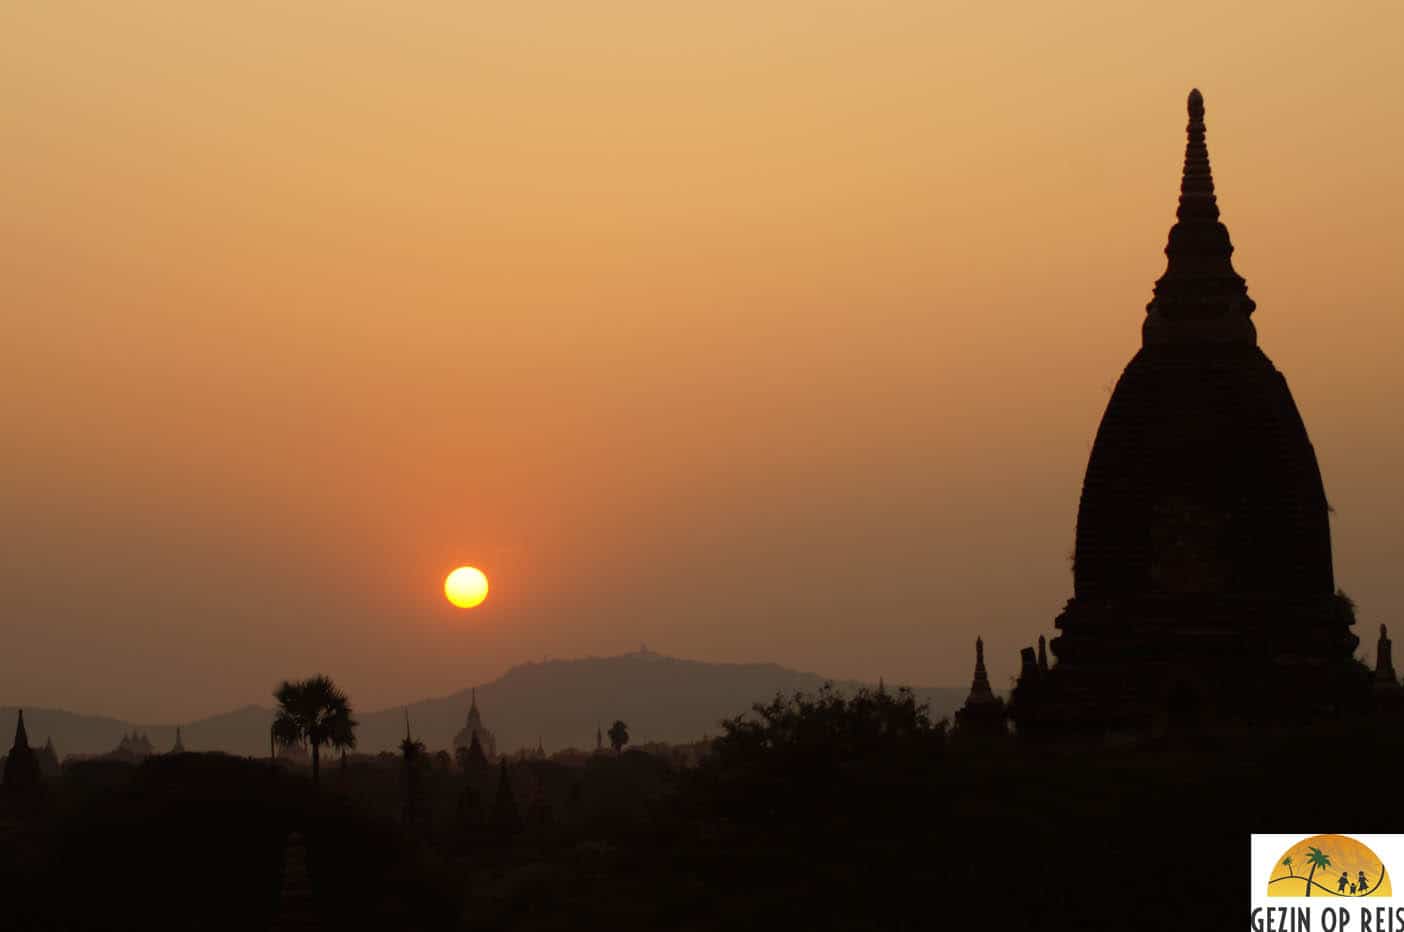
<point x="1384" y="660"/>
<point x="983" y="712"/>
<point x="474" y="727"/>
<point x="21" y="765"/>
<point x="1389" y="695"/>
<point x="1203" y="586"/>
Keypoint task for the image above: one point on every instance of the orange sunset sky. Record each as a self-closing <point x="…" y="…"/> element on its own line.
<point x="764" y="330"/>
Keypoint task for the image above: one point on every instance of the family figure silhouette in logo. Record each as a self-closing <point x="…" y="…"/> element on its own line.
<point x="1359" y="888"/>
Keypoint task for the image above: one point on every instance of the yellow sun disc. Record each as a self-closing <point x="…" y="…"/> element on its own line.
<point x="466" y="587"/>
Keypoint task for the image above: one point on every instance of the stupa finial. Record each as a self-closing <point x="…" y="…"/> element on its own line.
<point x="1197" y="200"/>
<point x="1200" y="298"/>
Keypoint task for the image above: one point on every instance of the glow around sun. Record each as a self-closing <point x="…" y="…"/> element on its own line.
<point x="466" y="587"/>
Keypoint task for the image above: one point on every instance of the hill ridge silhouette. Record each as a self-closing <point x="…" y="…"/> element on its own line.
<point x="559" y="701"/>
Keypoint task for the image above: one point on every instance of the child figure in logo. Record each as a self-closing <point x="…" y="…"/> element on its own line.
<point x="1341" y="884"/>
<point x="1363" y="884"/>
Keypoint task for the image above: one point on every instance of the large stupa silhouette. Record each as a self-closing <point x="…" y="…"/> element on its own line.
<point x="1203" y="586"/>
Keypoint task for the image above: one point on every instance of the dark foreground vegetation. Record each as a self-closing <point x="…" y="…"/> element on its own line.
<point x="813" y="813"/>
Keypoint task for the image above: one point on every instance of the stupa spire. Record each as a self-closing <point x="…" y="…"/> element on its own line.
<point x="21" y="764"/>
<point x="1197" y="199"/>
<point x="983" y="712"/>
<point x="1200" y="298"/>
<point x="1384" y="660"/>
<point x="21" y="736"/>
<point x="980" y="686"/>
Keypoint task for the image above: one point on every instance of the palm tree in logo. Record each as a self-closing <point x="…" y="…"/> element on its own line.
<point x="1315" y="859"/>
<point x="1287" y="863"/>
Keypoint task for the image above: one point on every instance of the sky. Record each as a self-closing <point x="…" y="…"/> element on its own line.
<point x="752" y="331"/>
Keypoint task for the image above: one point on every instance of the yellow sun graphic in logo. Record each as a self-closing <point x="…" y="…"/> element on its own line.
<point x="1328" y="865"/>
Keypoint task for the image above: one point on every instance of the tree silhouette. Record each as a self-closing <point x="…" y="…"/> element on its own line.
<point x="618" y="736"/>
<point x="315" y="711"/>
<point x="343" y="732"/>
<point x="413" y="754"/>
<point x="826" y="726"/>
<point x="505" y="817"/>
<point x="470" y="818"/>
<point x="1315" y="859"/>
<point x="1287" y="863"/>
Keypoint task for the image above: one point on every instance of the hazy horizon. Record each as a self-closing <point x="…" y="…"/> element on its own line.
<point x="269" y="704"/>
<point x="754" y="332"/>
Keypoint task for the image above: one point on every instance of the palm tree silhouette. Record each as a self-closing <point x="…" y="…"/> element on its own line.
<point x="317" y="712"/>
<point x="1287" y="863"/>
<point x="1315" y="859"/>
<point x="343" y="734"/>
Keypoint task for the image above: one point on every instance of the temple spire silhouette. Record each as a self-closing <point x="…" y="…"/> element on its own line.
<point x="1389" y="696"/>
<point x="474" y="731"/>
<point x="21" y="734"/>
<point x="21" y="765"/>
<point x="1199" y="298"/>
<point x="980" y="685"/>
<point x="1202" y="573"/>
<point x="1197" y="200"/>
<point x="1384" y="659"/>
<point x="983" y="712"/>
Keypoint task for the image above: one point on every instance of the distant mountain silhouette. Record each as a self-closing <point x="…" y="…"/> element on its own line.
<point x="560" y="702"/>
<point x="563" y="701"/>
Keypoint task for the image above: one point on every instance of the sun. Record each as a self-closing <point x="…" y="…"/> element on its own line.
<point x="466" y="587"/>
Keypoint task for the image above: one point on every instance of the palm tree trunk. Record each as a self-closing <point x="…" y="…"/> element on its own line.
<point x="1308" y="893"/>
<point x="316" y="765"/>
